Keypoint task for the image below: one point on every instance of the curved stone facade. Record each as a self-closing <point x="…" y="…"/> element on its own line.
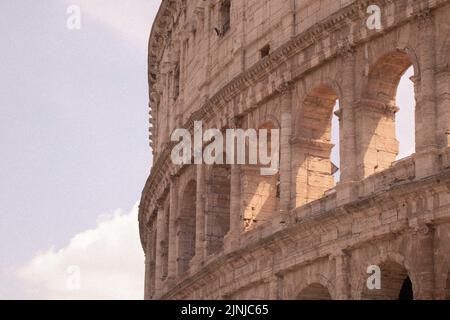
<point x="225" y="231"/>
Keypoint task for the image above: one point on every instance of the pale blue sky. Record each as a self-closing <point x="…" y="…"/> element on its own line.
<point x="73" y="121"/>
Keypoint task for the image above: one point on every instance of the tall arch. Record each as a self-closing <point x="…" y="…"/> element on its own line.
<point x="186" y="224"/>
<point x="312" y="145"/>
<point x="314" y="291"/>
<point x="217" y="207"/>
<point x="385" y="74"/>
<point x="395" y="284"/>
<point x="375" y="113"/>
<point x="261" y="192"/>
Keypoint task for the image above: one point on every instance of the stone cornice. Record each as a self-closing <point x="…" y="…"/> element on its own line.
<point x="369" y="105"/>
<point x="312" y="143"/>
<point x="316" y="223"/>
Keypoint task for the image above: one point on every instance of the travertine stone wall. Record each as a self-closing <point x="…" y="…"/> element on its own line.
<point x="217" y="208"/>
<point x="226" y="231"/>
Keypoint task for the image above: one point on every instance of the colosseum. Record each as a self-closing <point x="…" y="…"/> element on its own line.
<point x="224" y="231"/>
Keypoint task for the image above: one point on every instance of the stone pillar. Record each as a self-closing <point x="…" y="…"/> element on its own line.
<point x="173" y="215"/>
<point x="443" y="106"/>
<point x="159" y="250"/>
<point x="232" y="239"/>
<point x="289" y="21"/>
<point x="275" y="287"/>
<point x="342" y="276"/>
<point x="242" y="24"/>
<point x="308" y="169"/>
<point x="147" y="277"/>
<point x="347" y="129"/>
<point x="426" y="122"/>
<point x="200" y="246"/>
<point x="441" y="255"/>
<point x="423" y="262"/>
<point x="377" y="144"/>
<point x="175" y="100"/>
<point x="150" y="257"/>
<point x="285" y="150"/>
<point x="426" y="100"/>
<point x="347" y="125"/>
<point x="182" y="65"/>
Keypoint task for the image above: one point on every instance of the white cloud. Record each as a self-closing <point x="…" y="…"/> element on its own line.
<point x="130" y="19"/>
<point x="109" y="258"/>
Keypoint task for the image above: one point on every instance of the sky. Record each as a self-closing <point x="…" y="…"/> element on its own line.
<point x="74" y="147"/>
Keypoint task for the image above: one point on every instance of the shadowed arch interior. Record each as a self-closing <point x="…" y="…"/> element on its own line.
<point x="261" y="192"/>
<point x="186" y="224"/>
<point x="385" y="76"/>
<point x="395" y="284"/>
<point x="375" y="114"/>
<point x="217" y="208"/>
<point x="315" y="291"/>
<point x="312" y="145"/>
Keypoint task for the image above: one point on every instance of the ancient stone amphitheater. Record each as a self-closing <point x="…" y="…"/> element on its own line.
<point x="227" y="232"/>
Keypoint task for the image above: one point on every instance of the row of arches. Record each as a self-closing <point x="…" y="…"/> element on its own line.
<point x="217" y="216"/>
<point x="389" y="136"/>
<point x="316" y="157"/>
<point x="395" y="284"/>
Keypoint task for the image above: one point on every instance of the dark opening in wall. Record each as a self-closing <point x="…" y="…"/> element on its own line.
<point x="225" y="17"/>
<point x="406" y="292"/>
<point x="186" y="227"/>
<point x="217" y="208"/>
<point x="265" y="51"/>
<point x="176" y="89"/>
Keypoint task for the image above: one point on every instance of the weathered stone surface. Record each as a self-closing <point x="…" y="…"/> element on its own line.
<point x="225" y="231"/>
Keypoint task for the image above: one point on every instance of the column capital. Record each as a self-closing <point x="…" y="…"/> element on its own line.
<point x="346" y="50"/>
<point x="312" y="143"/>
<point x="420" y="228"/>
<point x="376" y="106"/>
<point x="286" y="87"/>
<point x="235" y="122"/>
<point x="425" y="18"/>
<point x="340" y="254"/>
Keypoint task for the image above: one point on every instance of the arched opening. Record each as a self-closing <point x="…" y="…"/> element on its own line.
<point x="394" y="282"/>
<point x="217" y="208"/>
<point x="186" y="223"/>
<point x="315" y="291"/>
<point x="335" y="141"/>
<point x="225" y="17"/>
<point x="386" y="133"/>
<point x="261" y="192"/>
<point x="315" y="146"/>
